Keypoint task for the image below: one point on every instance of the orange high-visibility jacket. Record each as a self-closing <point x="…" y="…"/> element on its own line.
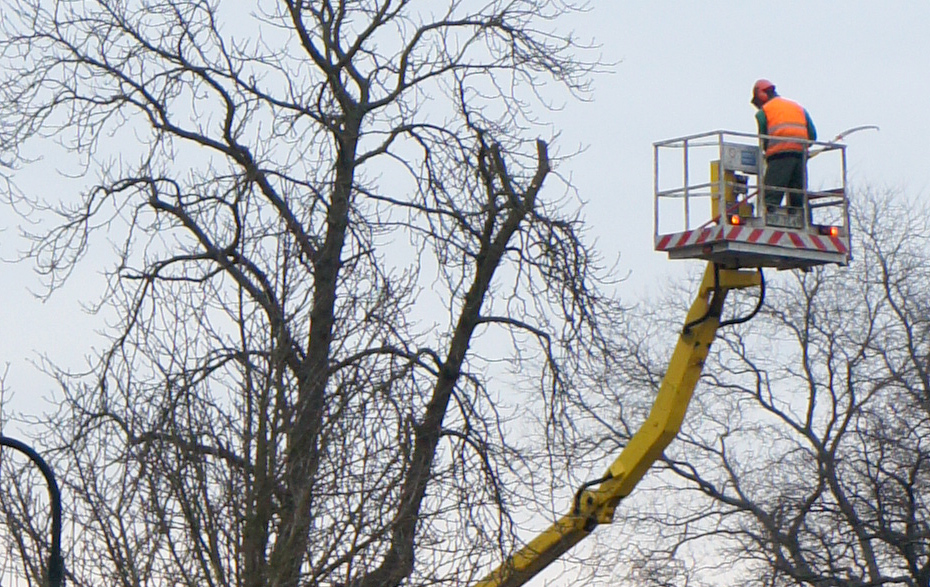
<point x="787" y="119"/>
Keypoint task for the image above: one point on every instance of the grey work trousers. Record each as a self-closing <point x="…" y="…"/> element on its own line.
<point x="785" y="170"/>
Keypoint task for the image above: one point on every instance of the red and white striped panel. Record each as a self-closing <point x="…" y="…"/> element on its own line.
<point x="789" y="239"/>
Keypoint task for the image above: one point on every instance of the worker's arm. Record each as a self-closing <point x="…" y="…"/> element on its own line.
<point x="763" y="125"/>
<point x="811" y="131"/>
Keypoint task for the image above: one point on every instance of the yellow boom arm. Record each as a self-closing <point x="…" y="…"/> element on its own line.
<point x="596" y="506"/>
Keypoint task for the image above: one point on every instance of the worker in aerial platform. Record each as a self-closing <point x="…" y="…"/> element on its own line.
<point x="784" y="158"/>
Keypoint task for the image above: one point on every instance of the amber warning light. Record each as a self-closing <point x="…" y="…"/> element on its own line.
<point x="830" y="230"/>
<point x="735" y="220"/>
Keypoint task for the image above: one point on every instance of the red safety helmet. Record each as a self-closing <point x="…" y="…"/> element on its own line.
<point x="760" y="91"/>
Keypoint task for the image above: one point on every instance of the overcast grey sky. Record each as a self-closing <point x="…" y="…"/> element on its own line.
<point x="683" y="67"/>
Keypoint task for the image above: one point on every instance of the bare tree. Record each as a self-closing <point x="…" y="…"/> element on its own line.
<point x="805" y="459"/>
<point x="324" y="217"/>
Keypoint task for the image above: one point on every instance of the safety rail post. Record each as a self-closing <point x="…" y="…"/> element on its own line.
<point x="55" y="573"/>
<point x="686" y="179"/>
<point x="760" y="183"/>
<point x="655" y="191"/>
<point x="805" y="189"/>
<point x="721" y="194"/>
<point x="845" y="195"/>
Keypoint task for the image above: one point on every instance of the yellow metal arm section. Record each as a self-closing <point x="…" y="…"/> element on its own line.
<point x="596" y="506"/>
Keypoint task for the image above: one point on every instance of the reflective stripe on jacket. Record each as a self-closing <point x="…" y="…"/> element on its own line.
<point x="787" y="119"/>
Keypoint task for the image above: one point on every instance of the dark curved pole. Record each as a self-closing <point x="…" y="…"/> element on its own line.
<point x="56" y="564"/>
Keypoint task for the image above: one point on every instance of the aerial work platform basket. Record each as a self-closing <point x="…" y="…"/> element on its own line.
<point x="710" y="204"/>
